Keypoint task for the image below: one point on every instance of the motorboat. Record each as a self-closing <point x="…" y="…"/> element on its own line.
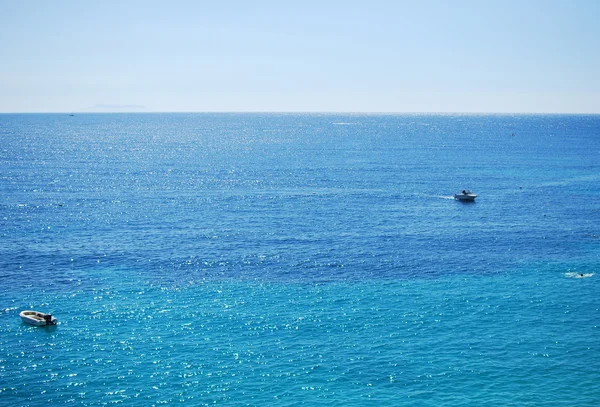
<point x="467" y="196"/>
<point x="37" y="318"/>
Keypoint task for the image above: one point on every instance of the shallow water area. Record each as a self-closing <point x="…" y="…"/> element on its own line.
<point x="502" y="339"/>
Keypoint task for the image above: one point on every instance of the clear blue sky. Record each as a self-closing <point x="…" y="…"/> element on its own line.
<point x="303" y="55"/>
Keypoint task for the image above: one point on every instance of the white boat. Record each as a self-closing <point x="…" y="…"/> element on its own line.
<point x="37" y="318"/>
<point x="465" y="196"/>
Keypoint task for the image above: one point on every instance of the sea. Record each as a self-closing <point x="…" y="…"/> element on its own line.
<point x="252" y="259"/>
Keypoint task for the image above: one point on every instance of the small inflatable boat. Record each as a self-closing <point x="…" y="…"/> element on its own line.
<point x="37" y="318"/>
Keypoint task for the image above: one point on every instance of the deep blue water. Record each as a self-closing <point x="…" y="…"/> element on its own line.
<point x="300" y="259"/>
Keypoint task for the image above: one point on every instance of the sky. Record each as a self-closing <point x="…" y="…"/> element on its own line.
<point x="483" y="56"/>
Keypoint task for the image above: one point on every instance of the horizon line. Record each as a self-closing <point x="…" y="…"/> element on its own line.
<point x="298" y="112"/>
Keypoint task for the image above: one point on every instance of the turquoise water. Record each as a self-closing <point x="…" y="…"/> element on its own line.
<point x="250" y="259"/>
